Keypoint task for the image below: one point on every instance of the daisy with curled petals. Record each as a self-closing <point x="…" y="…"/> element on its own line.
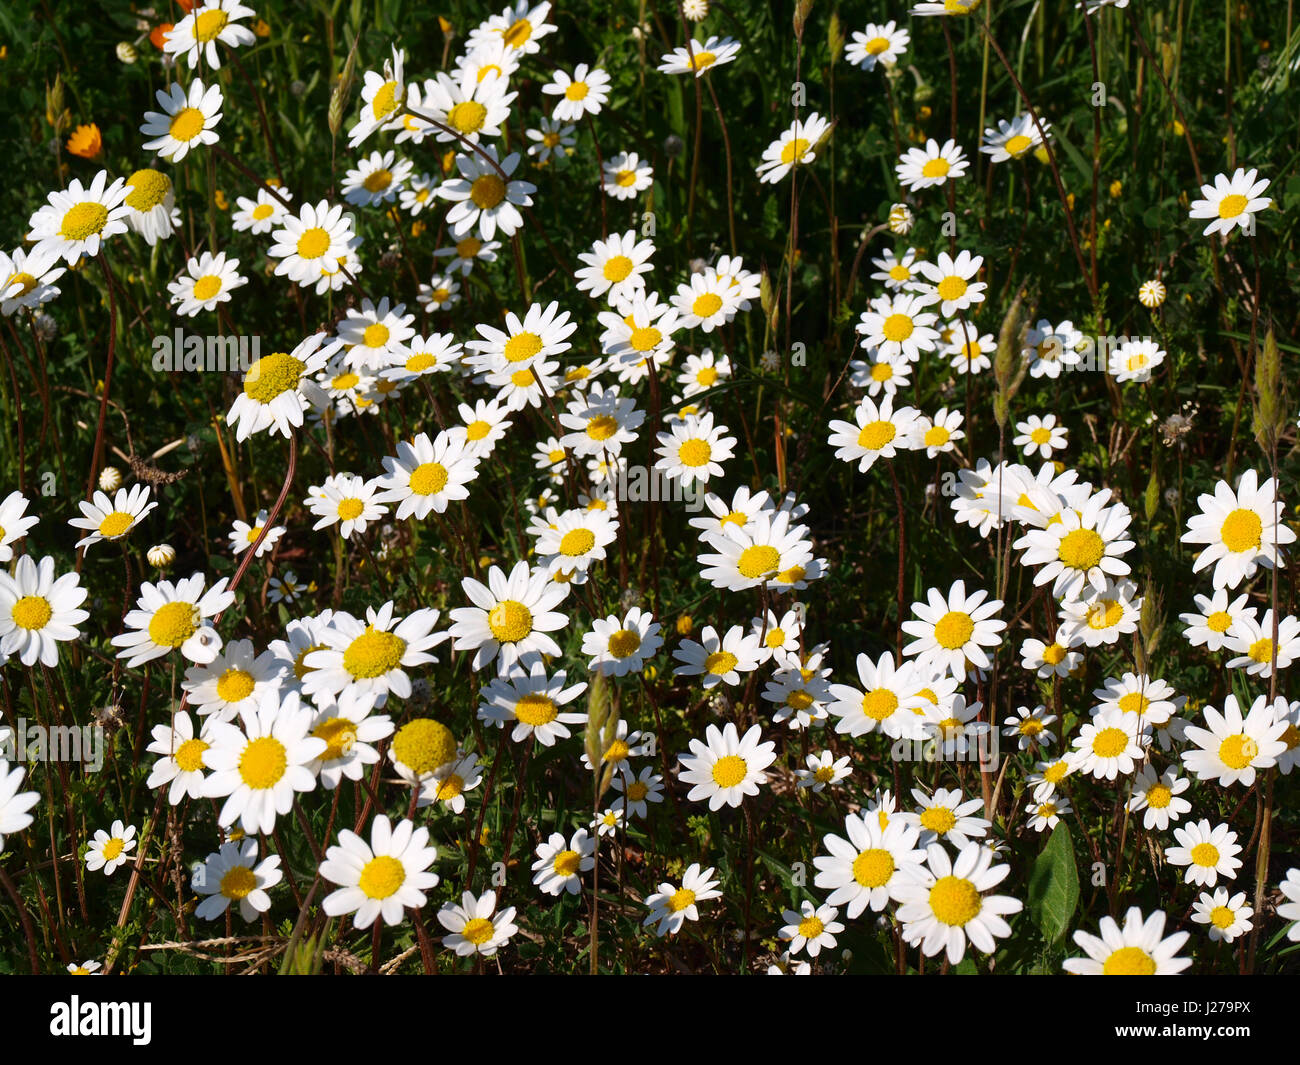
<point x="510" y="616"/>
<point x="1040" y="436"/>
<point x="699" y="58"/>
<point x="1100" y="617"/>
<point x="205" y="26"/>
<point x="1231" y="748"/>
<point x="1152" y="294"/>
<point x="76" y="220"/>
<point x="671" y="907"/>
<point x="107" y="518"/>
<point x="473" y="926"/>
<point x="426" y="475"/>
<point x="233" y="874"/>
<point x="951" y="632"/>
<point x="1082" y="550"/>
<point x="186" y="121"/>
<point x="1140" y="948"/>
<point x="726" y="766"/>
<point x="624" y="175"/>
<point x="181" y="764"/>
<point x="362" y="663"/>
<point x="810" y="927"/>
<point x="382" y="97"/>
<point x="694" y="450"/>
<point x="1243" y="528"/>
<point x="1256" y="650"/>
<point x="1212" y="621"/>
<point x="531" y="701"/>
<point x="1014" y="139"/>
<point x="260" y="215"/>
<point x="551" y="139"/>
<point x="168" y="616"/>
<point x="944" y="818"/>
<point x="234" y="681"/>
<point x="27" y="278"/>
<point x="560" y="865"/>
<point x="376" y="179"/>
<point x="1208" y="852"/>
<point x="795" y="147"/>
<point x="943" y="904"/>
<point x="1047" y="659"/>
<point x="541" y="332"/>
<point x="279" y="388"/>
<point x="898" y="325"/>
<point x="867" y="868"/>
<point x="1109" y="746"/>
<point x="884" y="701"/>
<point x="615" y="267"/>
<point x="1227" y="917"/>
<point x="939" y="433"/>
<point x="877" y="44"/>
<point x="1232" y="201"/>
<point x="948" y="282"/>
<point x="383" y="878"/>
<point x="38" y="611"/>
<point x="346" y="500"/>
<point x="933" y="165"/>
<point x="260" y="764"/>
<point x="519" y="27"/>
<point x="879" y="432"/>
<point x="1157" y="796"/>
<point x="822" y="770"/>
<point x="577" y="540"/>
<point x="14" y="804"/>
<point x="109" y="850"/>
<point x="585" y="93"/>
<point x="15" y="522"/>
<point x="485" y="196"/>
<point x="318" y="236"/>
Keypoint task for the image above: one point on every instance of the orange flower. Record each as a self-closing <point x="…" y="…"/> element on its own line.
<point x="158" y="35"/>
<point x="86" y="141"/>
<point x="185" y="5"/>
<point x="262" y="28"/>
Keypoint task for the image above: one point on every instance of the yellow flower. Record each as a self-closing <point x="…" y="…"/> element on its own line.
<point x="1179" y="128"/>
<point x="1116" y="187"/>
<point x="685" y="626"/>
<point x="1040" y="153"/>
<point x="262" y="28"/>
<point x="86" y="141"/>
<point x="219" y="198"/>
<point x="417" y="228"/>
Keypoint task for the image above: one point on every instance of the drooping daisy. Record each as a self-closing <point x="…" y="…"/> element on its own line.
<point x="726" y="766"/>
<point x="867" y="868"/>
<point x="1014" y="139"/>
<point x="585" y="93"/>
<point x="1157" y="796"/>
<point x="197" y="35"/>
<point x="261" y="764"/>
<point x="181" y="763"/>
<point x="416" y="194"/>
<point x="531" y="701"/>
<point x="1233" y="747"/>
<point x="278" y="389"/>
<point x="671" y="907"/>
<point x="699" y="58"/>
<point x="560" y="865"/>
<point x="107" y="518"/>
<point x="382" y="97"/>
<point x="1243" y="529"/>
<point x="86" y="968"/>
<point x="1140" y="948"/>
<point x="1232" y="201"/>
<point x="473" y="926"/>
<point x="382" y="878"/>
<point x="187" y="120"/>
<point x="1208" y="852"/>
<point x="510" y="617"/>
<point x="15" y="522"/>
<point x="883" y="44"/>
<point x="76" y="220"/>
<point x="233" y="874"/>
<point x="795" y="147"/>
<point x="943" y="904"/>
<point x="877" y="431"/>
<point x="109" y="850"/>
<point x="624" y="175"/>
<point x="933" y="165"/>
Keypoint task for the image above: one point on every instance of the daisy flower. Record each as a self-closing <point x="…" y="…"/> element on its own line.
<point x="473" y="926"/>
<point x="181" y="764"/>
<point x="551" y="139"/>
<point x="577" y="539"/>
<point x="868" y="867"/>
<point x="1232" y="201"/>
<point x="278" y="389"/>
<point x="703" y="372"/>
<point x="208" y="280"/>
<point x="234" y="681"/>
<point x="107" y="518"/>
<point x="615" y="267"/>
<point x="585" y="93"/>
<point x="347" y="500"/>
<point x="879" y="432"/>
<point x="417" y="194"/>
<point x="519" y="27"/>
<point x="1047" y="814"/>
<point x="970" y="350"/>
<point x="1140" y="948"/>
<point x="1109" y="745"/>
<point x="1080" y="551"/>
<point x="1231" y="748"/>
<point x="242" y="536"/>
<point x="1100" y="617"/>
<point x="542" y="332"/>
<point x="14" y="804"/>
<point x="1047" y="659"/>
<point x="485" y="196"/>
<point x="560" y="865"/>
<point x="76" y="220"/>
<point x="1014" y="139"/>
<point x="1040" y="436"/>
<point x="624" y="175"/>
<point x="205" y="26"/>
<point x="510" y="616"/>
<point x="694" y="450"/>
<point x="699" y="58"/>
<point x="883" y="702"/>
<point x="1243" y="528"/>
<point x="637" y="791"/>
<point x="944" y="818"/>
<point x="718" y="660"/>
<point x="671" y="907"/>
<point x="950" y="282"/>
<point x="935" y="164"/>
<point x="168" y="616"/>
<point x="823" y="769"/>
<point x="951" y="632"/>
<point x="1134" y="360"/>
<point x="1046" y="776"/>
<point x="376" y="179"/>
<point x="795" y="147"/>
<point x="1051" y="347"/>
<point x="259" y="768"/>
<point x="466" y="251"/>
<point x="1207" y="852"/>
<point x="883" y="44"/>
<point x="1257" y="652"/>
<point x="607" y="822"/>
<point x="15" y="523"/>
<point x="233" y="874"/>
<point x="705" y="302"/>
<point x="1157" y="796"/>
<point x="1030" y="727"/>
<point x="1289" y="910"/>
<point x="944" y="904"/>
<point x="383" y="878"/>
<point x="259" y="215"/>
<point x="1227" y="917"/>
<point x="186" y="121"/>
<point x="471" y="107"/>
<point x="317" y="237"/>
<point x="898" y="325"/>
<point x="1151" y="294"/>
<point x="382" y="97"/>
<point x="532" y="701"/>
<point x="27" y="278"/>
<point x="726" y="766"/>
<point x="375" y="334"/>
<point x="110" y="849"/>
<point x="810" y="927"/>
<point x="448" y="783"/>
<point x="1212" y="621"/>
<point x="38" y="611"/>
<point x="86" y="968"/>
<point x="941" y="432"/>
<point x="426" y="475"/>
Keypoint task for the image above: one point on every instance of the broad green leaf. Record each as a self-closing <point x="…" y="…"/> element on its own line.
<point x="1054" y="885"/>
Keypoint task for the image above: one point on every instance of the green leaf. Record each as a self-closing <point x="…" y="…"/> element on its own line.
<point x="1054" y="885"/>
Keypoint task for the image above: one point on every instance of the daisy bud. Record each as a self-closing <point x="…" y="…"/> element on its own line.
<point x="161" y="556"/>
<point x="110" y="479"/>
<point x="126" y="52"/>
<point x="901" y="219"/>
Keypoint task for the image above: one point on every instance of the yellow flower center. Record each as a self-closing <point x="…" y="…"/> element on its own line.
<point x="149" y="188"/>
<point x="209" y="24"/>
<point x="262" y="211"/>
<point x="952" y="287"/>
<point x="1261" y="651"/>
<point x="522" y="346"/>
<point x="937" y="436"/>
<point x="1133" y="703"/>
<point x="625" y="179"/>
<point x="272" y="375"/>
<point x="450" y="786"/>
<point x="385" y="101"/>
<point x="955" y="900"/>
<point x="31" y="612"/>
<point x="1159" y="796"/>
<point x="468" y="247"/>
<point x="873" y="868"/>
<point x="879" y="703"/>
<point x="382" y="877"/>
<point x="373" y="653"/>
<point x="1105" y="614"/>
<point x="1081" y="549"/>
<point x="794" y="151"/>
<point x="83" y="220"/>
<point x="339" y="735"/>
<point x="1222" y="917"/>
<point x="1241" y="530"/>
<point x="602" y="426"/>
<point x="186" y="124"/>
<point x="1237" y="752"/>
<point x="518" y="33"/>
<point x="235" y="685"/>
<point x="939" y="820"/>
<point x="720" y="663"/>
<point x="510" y="621"/>
<point x="173" y="624"/>
<point x="238" y="882"/>
<point x="478" y="930"/>
<point x="898" y="327"/>
<point x="645" y="339"/>
<point x="1232" y="206"/>
<point x="954" y="630"/>
<point x="729" y="771"/>
<point x="707" y="305"/>
<point x="189" y="756"/>
<point x="487" y="191"/>
<point x="1129" y="961"/>
<point x="1018" y="144"/>
<point x="877" y="45"/>
<point x="1219" y="621"/>
<point x="682" y="899"/>
<point x="567" y="863"/>
<point x="113" y="849"/>
<point x="477" y="430"/>
<point x="429" y="478"/>
<point x="936" y="168"/>
<point x="623" y="643"/>
<point x="535" y="709"/>
<point x="313" y="243"/>
<point x="758" y="560"/>
<point x="422" y="745"/>
<point x="1205" y="854"/>
<point x="617" y="268"/>
<point x="351" y="508"/>
<point x="875" y="435"/>
<point x="577" y="542"/>
<point x="1110" y="742"/>
<point x="576" y="90"/>
<point x="702" y="60"/>
<point x="811" y="927"/>
<point x="377" y="180"/>
<point x="206" y="287"/>
<point x="263" y="763"/>
<point x="467" y="117"/>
